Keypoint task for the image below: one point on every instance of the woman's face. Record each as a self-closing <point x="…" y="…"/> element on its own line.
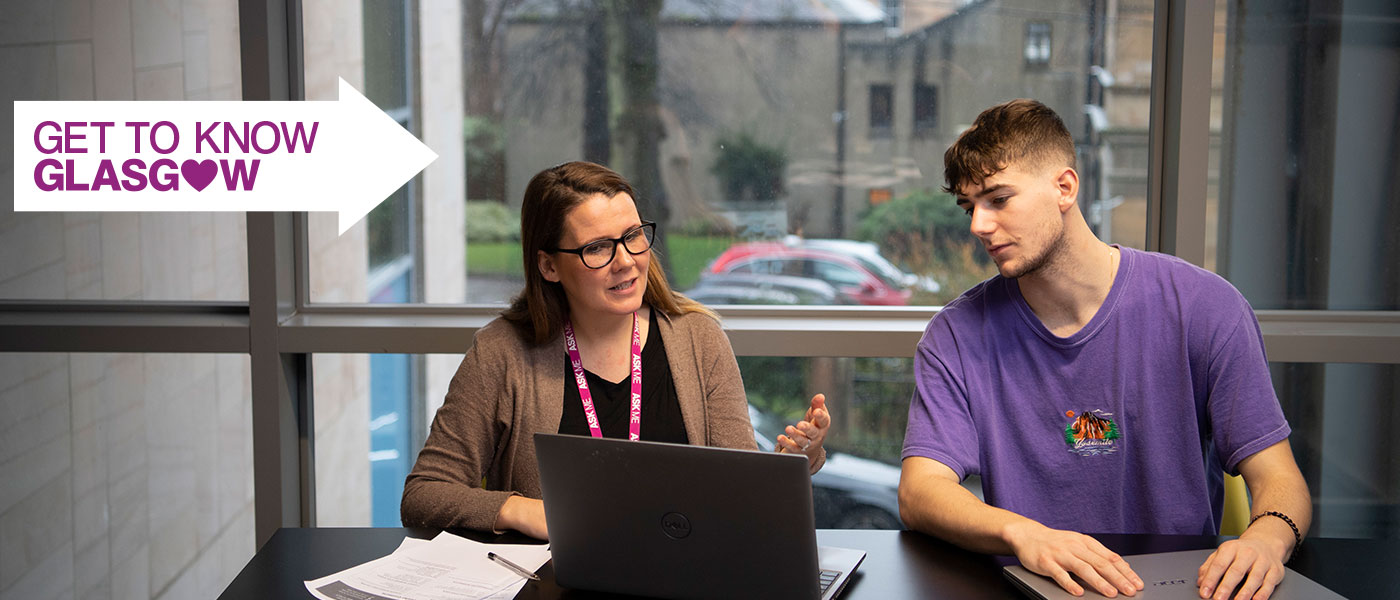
<point x="615" y="289"/>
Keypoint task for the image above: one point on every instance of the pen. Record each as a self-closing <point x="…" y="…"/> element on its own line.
<point x="519" y="570"/>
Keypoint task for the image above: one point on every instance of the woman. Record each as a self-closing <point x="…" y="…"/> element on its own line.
<point x="562" y="358"/>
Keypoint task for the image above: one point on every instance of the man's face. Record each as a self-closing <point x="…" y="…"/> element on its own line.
<point x="1018" y="215"/>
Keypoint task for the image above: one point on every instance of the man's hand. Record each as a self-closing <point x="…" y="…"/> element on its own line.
<point x="1256" y="558"/>
<point x="1255" y="562"/>
<point x="1057" y="554"/>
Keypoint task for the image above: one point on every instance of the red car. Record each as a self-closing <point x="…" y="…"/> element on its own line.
<point x="856" y="283"/>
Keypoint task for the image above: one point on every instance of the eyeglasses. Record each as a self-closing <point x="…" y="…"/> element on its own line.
<point x="599" y="254"/>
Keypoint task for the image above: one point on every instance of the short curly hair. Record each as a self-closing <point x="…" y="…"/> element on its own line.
<point x="1017" y="131"/>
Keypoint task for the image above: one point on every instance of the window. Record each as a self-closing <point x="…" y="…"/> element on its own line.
<point x="1341" y="415"/>
<point x="1037" y="50"/>
<point x="83" y="54"/>
<point x="370" y="424"/>
<point x="149" y="457"/>
<point x="838" y="274"/>
<point x="873" y="393"/>
<point x="127" y="472"/>
<point x="881" y="108"/>
<point x="1301" y="209"/>
<point x="893" y="13"/>
<point x="748" y="150"/>
<point x="519" y="95"/>
<point x="925" y="107"/>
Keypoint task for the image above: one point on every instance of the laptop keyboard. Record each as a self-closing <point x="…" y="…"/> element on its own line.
<point x="828" y="577"/>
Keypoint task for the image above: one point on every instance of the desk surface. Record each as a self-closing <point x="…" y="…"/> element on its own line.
<point x="898" y="564"/>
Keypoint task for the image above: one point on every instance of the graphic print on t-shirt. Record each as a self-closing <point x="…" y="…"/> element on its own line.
<point x="1092" y="433"/>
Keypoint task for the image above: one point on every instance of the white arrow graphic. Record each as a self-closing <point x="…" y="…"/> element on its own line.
<point x="345" y="156"/>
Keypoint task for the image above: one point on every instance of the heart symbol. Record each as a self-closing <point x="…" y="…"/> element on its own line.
<point x="199" y="173"/>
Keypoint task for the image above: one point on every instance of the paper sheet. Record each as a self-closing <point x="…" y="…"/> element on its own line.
<point x="447" y="567"/>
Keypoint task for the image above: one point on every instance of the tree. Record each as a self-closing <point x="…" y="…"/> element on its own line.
<point x="634" y="122"/>
<point x="481" y="24"/>
<point x="622" y="127"/>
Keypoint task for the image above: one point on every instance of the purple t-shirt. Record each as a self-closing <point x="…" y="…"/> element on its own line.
<point x="1123" y="427"/>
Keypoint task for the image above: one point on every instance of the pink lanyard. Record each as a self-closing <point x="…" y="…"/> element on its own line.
<point x="634" y="426"/>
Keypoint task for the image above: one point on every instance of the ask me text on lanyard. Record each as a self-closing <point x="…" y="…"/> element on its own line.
<point x="634" y="425"/>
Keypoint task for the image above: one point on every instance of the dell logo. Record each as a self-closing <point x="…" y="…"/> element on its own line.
<point x="675" y="525"/>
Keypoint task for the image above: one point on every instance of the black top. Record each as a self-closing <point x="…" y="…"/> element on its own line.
<point x="661" y="410"/>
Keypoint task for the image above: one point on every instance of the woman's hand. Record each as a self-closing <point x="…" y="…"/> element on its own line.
<point x="807" y="435"/>
<point x="525" y="515"/>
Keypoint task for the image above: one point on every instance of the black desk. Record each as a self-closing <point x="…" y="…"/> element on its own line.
<point x="899" y="564"/>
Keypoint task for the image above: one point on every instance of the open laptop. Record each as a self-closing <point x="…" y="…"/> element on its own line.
<point x="677" y="521"/>
<point x="1167" y="576"/>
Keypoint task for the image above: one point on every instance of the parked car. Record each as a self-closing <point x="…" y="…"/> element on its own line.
<point x="856" y="282"/>
<point x="849" y="492"/>
<point x="750" y="288"/>
<point x="868" y="254"/>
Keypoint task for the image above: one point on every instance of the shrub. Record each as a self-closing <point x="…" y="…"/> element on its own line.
<point x="919" y="229"/>
<point x="485" y="154"/>
<point x="749" y="170"/>
<point x="491" y="222"/>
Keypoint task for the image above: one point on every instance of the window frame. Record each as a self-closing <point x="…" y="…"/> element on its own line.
<point x="885" y="126"/>
<point x="1038" y="32"/>
<point x="280" y="329"/>
<point x="925" y="97"/>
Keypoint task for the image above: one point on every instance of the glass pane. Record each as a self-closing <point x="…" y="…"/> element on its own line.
<point x="779" y="130"/>
<point x="341" y="395"/>
<point x="869" y="398"/>
<point x="406" y="58"/>
<point x="1341" y="416"/>
<point x="1344" y="417"/>
<point x="373" y="411"/>
<point x="1307" y="117"/>
<point x="125" y="475"/>
<point x="370" y="423"/>
<point x="824" y="138"/>
<point x="117" y="51"/>
<point x="387" y="52"/>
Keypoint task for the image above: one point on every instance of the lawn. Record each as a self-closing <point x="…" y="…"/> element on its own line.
<point x="689" y="255"/>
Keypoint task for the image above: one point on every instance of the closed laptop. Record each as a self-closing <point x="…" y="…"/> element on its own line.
<point x="1167" y="576"/>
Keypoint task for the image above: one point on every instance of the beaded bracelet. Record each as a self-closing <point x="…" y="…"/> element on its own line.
<point x="1297" y="536"/>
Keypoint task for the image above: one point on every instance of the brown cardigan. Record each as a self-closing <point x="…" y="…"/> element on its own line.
<point x="506" y="390"/>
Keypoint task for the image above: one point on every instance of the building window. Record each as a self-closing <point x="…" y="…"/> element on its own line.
<point x="1037" y="44"/>
<point x="881" y="108"/>
<point x="893" y="11"/>
<point x="925" y="106"/>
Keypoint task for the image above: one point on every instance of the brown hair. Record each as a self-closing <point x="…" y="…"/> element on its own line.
<point x="1010" y="132"/>
<point x="540" y="309"/>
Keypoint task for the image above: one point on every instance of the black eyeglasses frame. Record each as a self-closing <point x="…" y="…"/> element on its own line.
<point x="647" y="228"/>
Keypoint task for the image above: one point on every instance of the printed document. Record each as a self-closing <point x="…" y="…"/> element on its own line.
<point x="446" y="567"/>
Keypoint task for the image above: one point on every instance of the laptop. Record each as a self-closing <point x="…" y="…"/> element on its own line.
<point x="679" y="521"/>
<point x="1167" y="576"/>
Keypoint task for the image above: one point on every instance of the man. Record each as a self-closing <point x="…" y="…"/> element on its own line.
<point x="1094" y="388"/>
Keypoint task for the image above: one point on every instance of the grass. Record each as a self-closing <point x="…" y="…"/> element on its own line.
<point x="689" y="255"/>
<point x="494" y="258"/>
